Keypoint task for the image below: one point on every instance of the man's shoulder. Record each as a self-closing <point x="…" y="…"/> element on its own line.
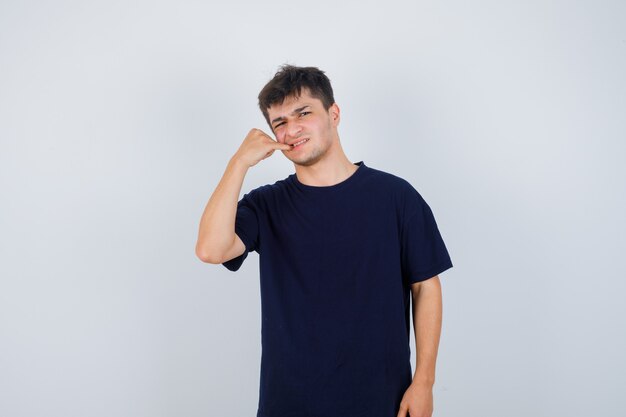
<point x="388" y="179"/>
<point x="399" y="189"/>
<point x="374" y="178"/>
<point x="266" y="190"/>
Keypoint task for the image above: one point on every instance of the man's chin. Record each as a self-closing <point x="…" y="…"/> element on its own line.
<point x="307" y="162"/>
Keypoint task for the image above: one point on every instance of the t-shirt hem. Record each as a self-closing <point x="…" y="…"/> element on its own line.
<point x="305" y="414"/>
<point x="430" y="273"/>
<point x="235" y="263"/>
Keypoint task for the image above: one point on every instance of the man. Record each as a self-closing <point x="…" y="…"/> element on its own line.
<point x="343" y="248"/>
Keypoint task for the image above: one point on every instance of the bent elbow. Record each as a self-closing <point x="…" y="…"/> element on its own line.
<point x="209" y="257"/>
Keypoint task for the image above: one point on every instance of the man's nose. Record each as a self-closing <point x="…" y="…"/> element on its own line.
<point x="294" y="129"/>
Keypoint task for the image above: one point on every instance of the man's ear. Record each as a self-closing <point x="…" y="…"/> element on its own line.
<point x="335" y="114"/>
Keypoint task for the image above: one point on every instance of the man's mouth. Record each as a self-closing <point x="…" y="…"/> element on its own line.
<point x="295" y="145"/>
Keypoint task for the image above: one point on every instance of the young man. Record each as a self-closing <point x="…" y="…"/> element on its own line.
<point x="343" y="248"/>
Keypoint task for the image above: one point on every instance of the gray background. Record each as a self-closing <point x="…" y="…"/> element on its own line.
<point x="117" y="120"/>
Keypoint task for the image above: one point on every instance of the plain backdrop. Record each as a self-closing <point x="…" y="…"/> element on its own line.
<point x="117" y="120"/>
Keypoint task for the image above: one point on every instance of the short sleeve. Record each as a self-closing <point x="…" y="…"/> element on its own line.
<point x="423" y="251"/>
<point x="247" y="228"/>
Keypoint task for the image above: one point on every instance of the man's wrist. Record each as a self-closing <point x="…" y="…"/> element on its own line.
<point x="423" y="381"/>
<point x="238" y="162"/>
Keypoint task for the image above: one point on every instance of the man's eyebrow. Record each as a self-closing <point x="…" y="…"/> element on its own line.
<point x="299" y="109"/>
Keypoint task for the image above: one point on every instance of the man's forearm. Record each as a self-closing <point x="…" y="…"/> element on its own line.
<point x="427" y="314"/>
<point x="217" y="225"/>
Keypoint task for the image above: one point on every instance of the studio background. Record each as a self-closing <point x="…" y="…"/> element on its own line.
<point x="117" y="121"/>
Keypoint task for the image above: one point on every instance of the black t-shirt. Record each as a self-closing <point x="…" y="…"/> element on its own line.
<point x="336" y="264"/>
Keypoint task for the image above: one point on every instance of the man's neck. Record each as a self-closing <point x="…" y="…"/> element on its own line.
<point x="326" y="172"/>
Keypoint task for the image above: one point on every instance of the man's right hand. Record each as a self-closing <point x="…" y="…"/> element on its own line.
<point x="257" y="146"/>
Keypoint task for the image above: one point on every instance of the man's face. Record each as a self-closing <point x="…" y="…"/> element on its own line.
<point x="304" y="118"/>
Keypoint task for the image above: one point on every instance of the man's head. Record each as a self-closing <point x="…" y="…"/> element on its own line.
<point x="289" y="82"/>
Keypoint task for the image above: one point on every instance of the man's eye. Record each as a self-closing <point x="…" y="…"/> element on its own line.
<point x="304" y="113"/>
<point x="279" y="125"/>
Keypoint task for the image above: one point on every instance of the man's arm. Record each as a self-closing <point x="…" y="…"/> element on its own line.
<point x="427" y="308"/>
<point x="216" y="234"/>
<point x="427" y="313"/>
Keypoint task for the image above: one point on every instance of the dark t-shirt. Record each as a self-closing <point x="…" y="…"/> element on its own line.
<point x="336" y="264"/>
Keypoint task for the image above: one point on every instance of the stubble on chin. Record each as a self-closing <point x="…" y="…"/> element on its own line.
<point x="309" y="159"/>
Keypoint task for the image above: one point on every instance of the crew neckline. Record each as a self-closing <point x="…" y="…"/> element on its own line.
<point x="361" y="167"/>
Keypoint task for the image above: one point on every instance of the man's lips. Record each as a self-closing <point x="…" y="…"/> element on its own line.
<point x="298" y="142"/>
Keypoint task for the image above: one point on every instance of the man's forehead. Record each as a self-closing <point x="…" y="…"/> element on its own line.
<point x="292" y="103"/>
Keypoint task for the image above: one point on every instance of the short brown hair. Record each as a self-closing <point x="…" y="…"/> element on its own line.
<point x="289" y="81"/>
